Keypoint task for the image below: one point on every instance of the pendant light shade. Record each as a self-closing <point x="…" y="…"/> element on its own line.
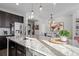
<point x="32" y="12"/>
<point x="41" y="7"/>
<point x="51" y="16"/>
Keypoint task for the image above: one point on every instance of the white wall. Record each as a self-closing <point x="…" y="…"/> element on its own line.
<point x="67" y="20"/>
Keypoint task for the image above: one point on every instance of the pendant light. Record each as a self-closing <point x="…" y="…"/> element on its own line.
<point x="53" y="11"/>
<point x="32" y="12"/>
<point x="41" y="7"/>
<point x="51" y="21"/>
<point x="51" y="16"/>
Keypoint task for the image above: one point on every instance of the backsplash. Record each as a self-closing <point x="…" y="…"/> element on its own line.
<point x="6" y="30"/>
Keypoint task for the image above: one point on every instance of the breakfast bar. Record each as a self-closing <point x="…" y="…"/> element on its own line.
<point x="43" y="47"/>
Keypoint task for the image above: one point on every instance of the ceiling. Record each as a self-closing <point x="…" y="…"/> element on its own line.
<point x="24" y="8"/>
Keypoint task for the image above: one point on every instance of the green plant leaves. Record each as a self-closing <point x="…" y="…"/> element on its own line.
<point x="64" y="33"/>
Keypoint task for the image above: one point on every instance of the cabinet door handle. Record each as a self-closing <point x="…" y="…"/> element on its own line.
<point x="12" y="47"/>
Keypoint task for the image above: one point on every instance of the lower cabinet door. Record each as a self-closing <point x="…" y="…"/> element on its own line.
<point x="21" y="50"/>
<point x="16" y="49"/>
<point x="12" y="52"/>
<point x="3" y="46"/>
<point x="12" y="48"/>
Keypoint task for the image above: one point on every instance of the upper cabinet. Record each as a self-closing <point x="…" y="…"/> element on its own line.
<point x="7" y="18"/>
<point x="21" y="19"/>
<point x="2" y="19"/>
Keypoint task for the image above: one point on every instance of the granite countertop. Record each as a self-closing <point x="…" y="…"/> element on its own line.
<point x="39" y="47"/>
<point x="18" y="39"/>
<point x="59" y="49"/>
<point x="43" y="46"/>
<point x="34" y="44"/>
<point x="64" y="49"/>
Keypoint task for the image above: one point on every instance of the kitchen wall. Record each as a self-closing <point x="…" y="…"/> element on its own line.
<point x="67" y="20"/>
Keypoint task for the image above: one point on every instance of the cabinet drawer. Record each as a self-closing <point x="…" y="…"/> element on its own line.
<point x="16" y="49"/>
<point x="21" y="49"/>
<point x="3" y="42"/>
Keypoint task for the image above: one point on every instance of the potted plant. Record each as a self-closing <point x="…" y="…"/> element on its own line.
<point x="64" y="34"/>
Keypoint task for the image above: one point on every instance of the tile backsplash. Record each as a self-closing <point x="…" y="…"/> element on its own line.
<point x="4" y="29"/>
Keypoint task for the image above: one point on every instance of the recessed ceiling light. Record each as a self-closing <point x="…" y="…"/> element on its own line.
<point x="54" y="4"/>
<point x="17" y="4"/>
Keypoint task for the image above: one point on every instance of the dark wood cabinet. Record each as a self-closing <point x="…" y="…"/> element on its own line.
<point x="12" y="48"/>
<point x="7" y="18"/>
<point x="7" y="21"/>
<point x="3" y="42"/>
<point x="21" y="50"/>
<point x="2" y="19"/>
<point x="20" y="19"/>
<point x="16" y="49"/>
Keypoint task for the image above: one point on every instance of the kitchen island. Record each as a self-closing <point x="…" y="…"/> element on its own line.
<point x="35" y="46"/>
<point x="42" y="47"/>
